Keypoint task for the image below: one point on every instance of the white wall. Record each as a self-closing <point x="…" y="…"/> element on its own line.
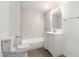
<point x="71" y="28"/>
<point x="48" y="21"/>
<point x="32" y="24"/>
<point x="4" y="21"/>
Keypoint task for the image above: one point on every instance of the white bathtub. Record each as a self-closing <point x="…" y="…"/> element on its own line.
<point x="27" y="44"/>
<point x="33" y="43"/>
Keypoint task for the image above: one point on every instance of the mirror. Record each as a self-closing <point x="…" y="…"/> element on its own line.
<point x="57" y="19"/>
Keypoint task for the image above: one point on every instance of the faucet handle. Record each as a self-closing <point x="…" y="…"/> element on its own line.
<point x="54" y="30"/>
<point x="17" y="36"/>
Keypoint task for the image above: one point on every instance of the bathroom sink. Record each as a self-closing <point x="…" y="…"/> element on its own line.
<point x="55" y="31"/>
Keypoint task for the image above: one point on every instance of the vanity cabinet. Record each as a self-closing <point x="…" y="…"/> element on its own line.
<point x="53" y="32"/>
<point x="54" y="43"/>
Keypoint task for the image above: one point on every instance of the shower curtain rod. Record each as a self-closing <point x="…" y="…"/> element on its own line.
<point x="71" y="18"/>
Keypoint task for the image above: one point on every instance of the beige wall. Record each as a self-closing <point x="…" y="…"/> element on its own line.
<point x="32" y="24"/>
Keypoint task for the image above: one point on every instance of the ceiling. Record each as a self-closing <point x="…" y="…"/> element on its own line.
<point x="40" y="6"/>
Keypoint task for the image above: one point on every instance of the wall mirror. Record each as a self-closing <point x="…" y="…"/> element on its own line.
<point x="57" y="19"/>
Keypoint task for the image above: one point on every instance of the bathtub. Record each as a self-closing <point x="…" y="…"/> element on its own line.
<point x="27" y="44"/>
<point x="33" y="43"/>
